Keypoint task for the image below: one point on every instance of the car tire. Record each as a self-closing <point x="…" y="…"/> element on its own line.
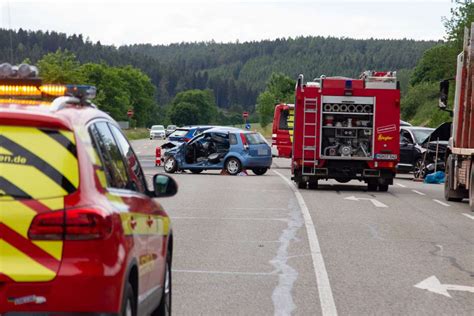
<point x="233" y="166"/>
<point x="383" y="187"/>
<point x="164" y="309"/>
<point x="196" y="171"/>
<point x="301" y="185"/>
<point x="170" y="165"/>
<point x="450" y="194"/>
<point x="259" y="171"/>
<point x="129" y="305"/>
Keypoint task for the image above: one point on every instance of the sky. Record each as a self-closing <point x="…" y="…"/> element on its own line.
<point x="121" y="22"/>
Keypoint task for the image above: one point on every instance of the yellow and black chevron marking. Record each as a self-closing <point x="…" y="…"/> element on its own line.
<point x="37" y="163"/>
<point x="291" y="122"/>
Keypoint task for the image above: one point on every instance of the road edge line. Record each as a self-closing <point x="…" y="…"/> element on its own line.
<point x="328" y="306"/>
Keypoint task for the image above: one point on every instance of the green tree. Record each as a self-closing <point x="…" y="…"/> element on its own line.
<point x="436" y="64"/>
<point x="60" y="67"/>
<point x="265" y="107"/>
<point x="281" y="87"/>
<point x="184" y="113"/>
<point x="461" y="17"/>
<point x="204" y="102"/>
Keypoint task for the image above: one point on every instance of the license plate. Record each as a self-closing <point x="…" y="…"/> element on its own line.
<point x="262" y="152"/>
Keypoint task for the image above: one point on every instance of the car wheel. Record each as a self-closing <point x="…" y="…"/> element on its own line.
<point x="419" y="169"/>
<point x="233" y="166"/>
<point x="259" y="171"/>
<point x="129" y="306"/>
<point x="171" y="165"/>
<point x="195" y="171"/>
<point x="164" y="309"/>
<point x="450" y="194"/>
<point x="383" y="187"/>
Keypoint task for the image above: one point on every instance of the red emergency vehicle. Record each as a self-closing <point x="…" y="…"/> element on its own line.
<point x="80" y="232"/>
<point x="282" y="131"/>
<point x="347" y="129"/>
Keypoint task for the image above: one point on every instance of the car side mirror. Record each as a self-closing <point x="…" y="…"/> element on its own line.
<point x="164" y="185"/>
<point x="443" y="94"/>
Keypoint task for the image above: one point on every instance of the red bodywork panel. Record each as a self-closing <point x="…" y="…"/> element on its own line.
<point x="282" y="130"/>
<point x="91" y="274"/>
<point x="386" y="119"/>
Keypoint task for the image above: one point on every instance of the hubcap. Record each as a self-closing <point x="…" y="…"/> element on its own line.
<point x="169" y="164"/>
<point x="232" y="166"/>
<point x="167" y="291"/>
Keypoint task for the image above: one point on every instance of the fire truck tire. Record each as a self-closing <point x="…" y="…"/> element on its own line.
<point x="233" y="166"/>
<point x="371" y="186"/>
<point x="301" y="185"/>
<point x="450" y="194"/>
<point x="171" y="165"/>
<point x="259" y="171"/>
<point x="196" y="171"/>
<point x="471" y="188"/>
<point x="313" y="185"/>
<point x="383" y="187"/>
<point x="129" y="306"/>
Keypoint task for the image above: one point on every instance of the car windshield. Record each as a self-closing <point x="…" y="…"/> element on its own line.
<point x="422" y="134"/>
<point x="180" y="132"/>
<point x="158" y="128"/>
<point x="255" y="138"/>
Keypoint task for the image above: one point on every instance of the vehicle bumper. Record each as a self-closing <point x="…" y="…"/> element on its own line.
<point x="275" y="152"/>
<point x="158" y="136"/>
<point x="257" y="162"/>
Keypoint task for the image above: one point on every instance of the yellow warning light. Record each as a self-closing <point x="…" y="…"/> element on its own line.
<point x="24" y="102"/>
<point x="53" y="89"/>
<point x="18" y="90"/>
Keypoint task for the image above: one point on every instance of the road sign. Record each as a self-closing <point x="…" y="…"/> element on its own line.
<point x="130" y="113"/>
<point x="245" y="115"/>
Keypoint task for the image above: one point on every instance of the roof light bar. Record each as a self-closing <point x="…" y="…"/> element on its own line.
<point x="20" y="90"/>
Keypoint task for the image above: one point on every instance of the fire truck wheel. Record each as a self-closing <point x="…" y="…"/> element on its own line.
<point x="301" y="185"/>
<point x="313" y="185"/>
<point x="383" y="187"/>
<point x="195" y="171"/>
<point x="171" y="165"/>
<point x="259" y="171"/>
<point x="471" y="189"/>
<point x="129" y="306"/>
<point x="233" y="166"/>
<point x="371" y="186"/>
<point x="450" y="194"/>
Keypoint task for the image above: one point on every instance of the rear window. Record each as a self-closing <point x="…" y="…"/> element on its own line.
<point x="37" y="163"/>
<point x="255" y="139"/>
<point x="180" y="132"/>
<point x="284" y="115"/>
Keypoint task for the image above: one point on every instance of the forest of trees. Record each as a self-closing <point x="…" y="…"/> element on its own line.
<point x="236" y="72"/>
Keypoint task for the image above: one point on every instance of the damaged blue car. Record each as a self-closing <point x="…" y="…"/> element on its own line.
<point x="231" y="149"/>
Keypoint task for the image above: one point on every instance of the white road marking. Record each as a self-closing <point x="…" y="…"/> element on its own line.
<point x="418" y="192"/>
<point x="467" y="215"/>
<point x="328" y="306"/>
<point x="440" y="202"/>
<point x="432" y="284"/>
<point x="375" y="202"/>
<point x="401" y="185"/>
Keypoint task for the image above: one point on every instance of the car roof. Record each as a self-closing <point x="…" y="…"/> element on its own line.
<point x="414" y="128"/>
<point x="44" y="114"/>
<point x="224" y="129"/>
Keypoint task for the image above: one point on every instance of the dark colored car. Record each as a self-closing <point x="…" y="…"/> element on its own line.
<point x="220" y="148"/>
<point x="411" y="151"/>
<point x="184" y="134"/>
<point x="170" y="129"/>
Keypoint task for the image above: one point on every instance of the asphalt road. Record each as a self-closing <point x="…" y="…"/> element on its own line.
<point x="253" y="245"/>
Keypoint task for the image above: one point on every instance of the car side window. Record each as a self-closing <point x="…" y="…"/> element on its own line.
<point x="111" y="156"/>
<point x="232" y="139"/>
<point x="134" y="169"/>
<point x="406" y="135"/>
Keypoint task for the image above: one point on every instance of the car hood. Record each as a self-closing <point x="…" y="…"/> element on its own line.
<point x="442" y="133"/>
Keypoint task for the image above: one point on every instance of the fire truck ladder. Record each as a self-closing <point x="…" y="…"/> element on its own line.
<point x="309" y="140"/>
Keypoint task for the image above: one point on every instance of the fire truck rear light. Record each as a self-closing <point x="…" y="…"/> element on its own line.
<point x="76" y="224"/>
<point x="274" y="135"/>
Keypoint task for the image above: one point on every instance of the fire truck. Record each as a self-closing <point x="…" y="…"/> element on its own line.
<point x="347" y="129"/>
<point x="459" y="182"/>
<point x="282" y="130"/>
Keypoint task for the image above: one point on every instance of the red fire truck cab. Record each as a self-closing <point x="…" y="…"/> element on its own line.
<point x="347" y="129"/>
<point x="282" y="131"/>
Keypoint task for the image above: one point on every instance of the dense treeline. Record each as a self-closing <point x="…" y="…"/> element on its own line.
<point x="235" y="72"/>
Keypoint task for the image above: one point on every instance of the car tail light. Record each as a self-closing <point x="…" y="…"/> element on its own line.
<point x="244" y="141"/>
<point x="75" y="224"/>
